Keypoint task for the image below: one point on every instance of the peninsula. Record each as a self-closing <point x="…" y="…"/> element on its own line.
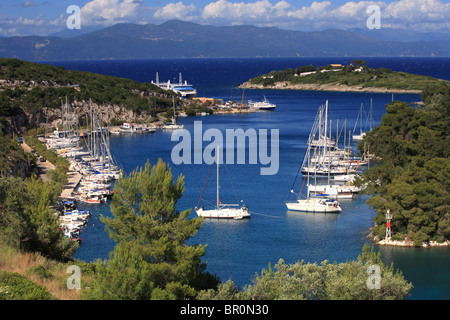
<point x="355" y="77"/>
<point x="31" y="95"/>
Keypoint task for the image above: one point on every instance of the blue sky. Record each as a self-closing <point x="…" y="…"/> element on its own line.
<point x="44" y="17"/>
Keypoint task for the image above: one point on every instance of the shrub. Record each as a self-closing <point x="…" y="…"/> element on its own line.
<point x="14" y="286"/>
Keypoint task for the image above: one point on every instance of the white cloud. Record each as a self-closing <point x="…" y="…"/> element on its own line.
<point x="108" y="12"/>
<point x="259" y="12"/>
<point x="177" y="11"/>
<point x="418" y="15"/>
<point x="418" y="10"/>
<point x="27" y="4"/>
<point x="26" y="26"/>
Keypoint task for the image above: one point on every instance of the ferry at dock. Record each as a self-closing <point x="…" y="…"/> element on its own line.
<point x="186" y="90"/>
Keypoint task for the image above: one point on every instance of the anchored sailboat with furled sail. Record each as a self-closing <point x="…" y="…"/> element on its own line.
<point x="173" y="125"/>
<point x="222" y="211"/>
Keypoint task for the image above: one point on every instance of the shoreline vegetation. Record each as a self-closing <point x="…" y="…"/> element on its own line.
<point x="411" y="180"/>
<point x="355" y="77"/>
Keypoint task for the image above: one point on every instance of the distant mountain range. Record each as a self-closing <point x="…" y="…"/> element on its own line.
<point x="179" y="39"/>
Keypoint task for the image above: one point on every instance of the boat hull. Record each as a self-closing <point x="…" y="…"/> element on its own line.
<point x="226" y="213"/>
<point x="267" y="108"/>
<point x="314" y="205"/>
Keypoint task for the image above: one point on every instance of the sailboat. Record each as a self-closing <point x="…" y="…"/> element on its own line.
<point x="313" y="203"/>
<point x="362" y="134"/>
<point x="327" y="190"/>
<point x="173" y="125"/>
<point x="222" y="211"/>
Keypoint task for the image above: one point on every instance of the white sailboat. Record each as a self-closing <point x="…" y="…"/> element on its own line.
<point x="314" y="203"/>
<point x="223" y="211"/>
<point x="331" y="191"/>
<point x="362" y="134"/>
<point x="173" y="125"/>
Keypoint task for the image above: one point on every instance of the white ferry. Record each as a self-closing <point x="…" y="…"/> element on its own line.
<point x="186" y="90"/>
<point x="263" y="105"/>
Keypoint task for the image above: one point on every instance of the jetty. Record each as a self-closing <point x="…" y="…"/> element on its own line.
<point x="73" y="180"/>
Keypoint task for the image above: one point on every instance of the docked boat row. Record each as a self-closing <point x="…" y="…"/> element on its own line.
<point x="98" y="168"/>
<point x="72" y="222"/>
<point x="328" y="170"/>
<point x="90" y="157"/>
<point x="132" y="128"/>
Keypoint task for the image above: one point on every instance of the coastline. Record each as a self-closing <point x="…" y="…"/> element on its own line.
<point x="286" y="85"/>
<point x="407" y="243"/>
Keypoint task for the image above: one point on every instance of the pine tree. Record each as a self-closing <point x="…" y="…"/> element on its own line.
<point x="152" y="259"/>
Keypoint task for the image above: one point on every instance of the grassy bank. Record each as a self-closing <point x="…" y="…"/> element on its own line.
<point x="45" y="277"/>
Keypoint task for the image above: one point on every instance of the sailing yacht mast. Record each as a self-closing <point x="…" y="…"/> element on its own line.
<point x="360" y="121"/>
<point x="217" y="162"/>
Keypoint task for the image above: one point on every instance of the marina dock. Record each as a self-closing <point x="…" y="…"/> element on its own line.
<point x="73" y="179"/>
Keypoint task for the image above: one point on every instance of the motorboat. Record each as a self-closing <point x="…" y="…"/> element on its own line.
<point x="263" y="105"/>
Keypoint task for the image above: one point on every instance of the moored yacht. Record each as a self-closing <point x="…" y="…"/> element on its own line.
<point x="314" y="205"/>
<point x="222" y="211"/>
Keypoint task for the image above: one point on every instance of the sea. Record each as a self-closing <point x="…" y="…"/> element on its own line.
<point x="237" y="250"/>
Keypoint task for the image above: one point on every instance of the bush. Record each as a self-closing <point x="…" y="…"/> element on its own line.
<point x="42" y="272"/>
<point x="14" y="286"/>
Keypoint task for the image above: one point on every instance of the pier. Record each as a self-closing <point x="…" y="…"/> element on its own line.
<point x="73" y="179"/>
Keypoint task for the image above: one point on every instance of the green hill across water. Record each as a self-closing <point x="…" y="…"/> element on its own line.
<point x="336" y="77"/>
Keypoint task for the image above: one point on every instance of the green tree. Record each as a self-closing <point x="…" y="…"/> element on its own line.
<point x="26" y="222"/>
<point x="412" y="179"/>
<point x="14" y="223"/>
<point x="47" y="238"/>
<point x="358" y="62"/>
<point x="351" y="280"/>
<point x="151" y="238"/>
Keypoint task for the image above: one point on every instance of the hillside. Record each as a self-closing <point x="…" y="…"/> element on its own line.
<point x="354" y="77"/>
<point x="179" y="39"/>
<point x="32" y="93"/>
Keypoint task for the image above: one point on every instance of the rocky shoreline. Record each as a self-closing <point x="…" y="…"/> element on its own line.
<point x="406" y="242"/>
<point x="286" y="85"/>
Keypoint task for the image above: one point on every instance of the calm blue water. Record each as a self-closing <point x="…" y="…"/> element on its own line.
<point x="239" y="249"/>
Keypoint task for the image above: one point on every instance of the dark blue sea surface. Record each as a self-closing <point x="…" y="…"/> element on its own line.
<point x="237" y="250"/>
